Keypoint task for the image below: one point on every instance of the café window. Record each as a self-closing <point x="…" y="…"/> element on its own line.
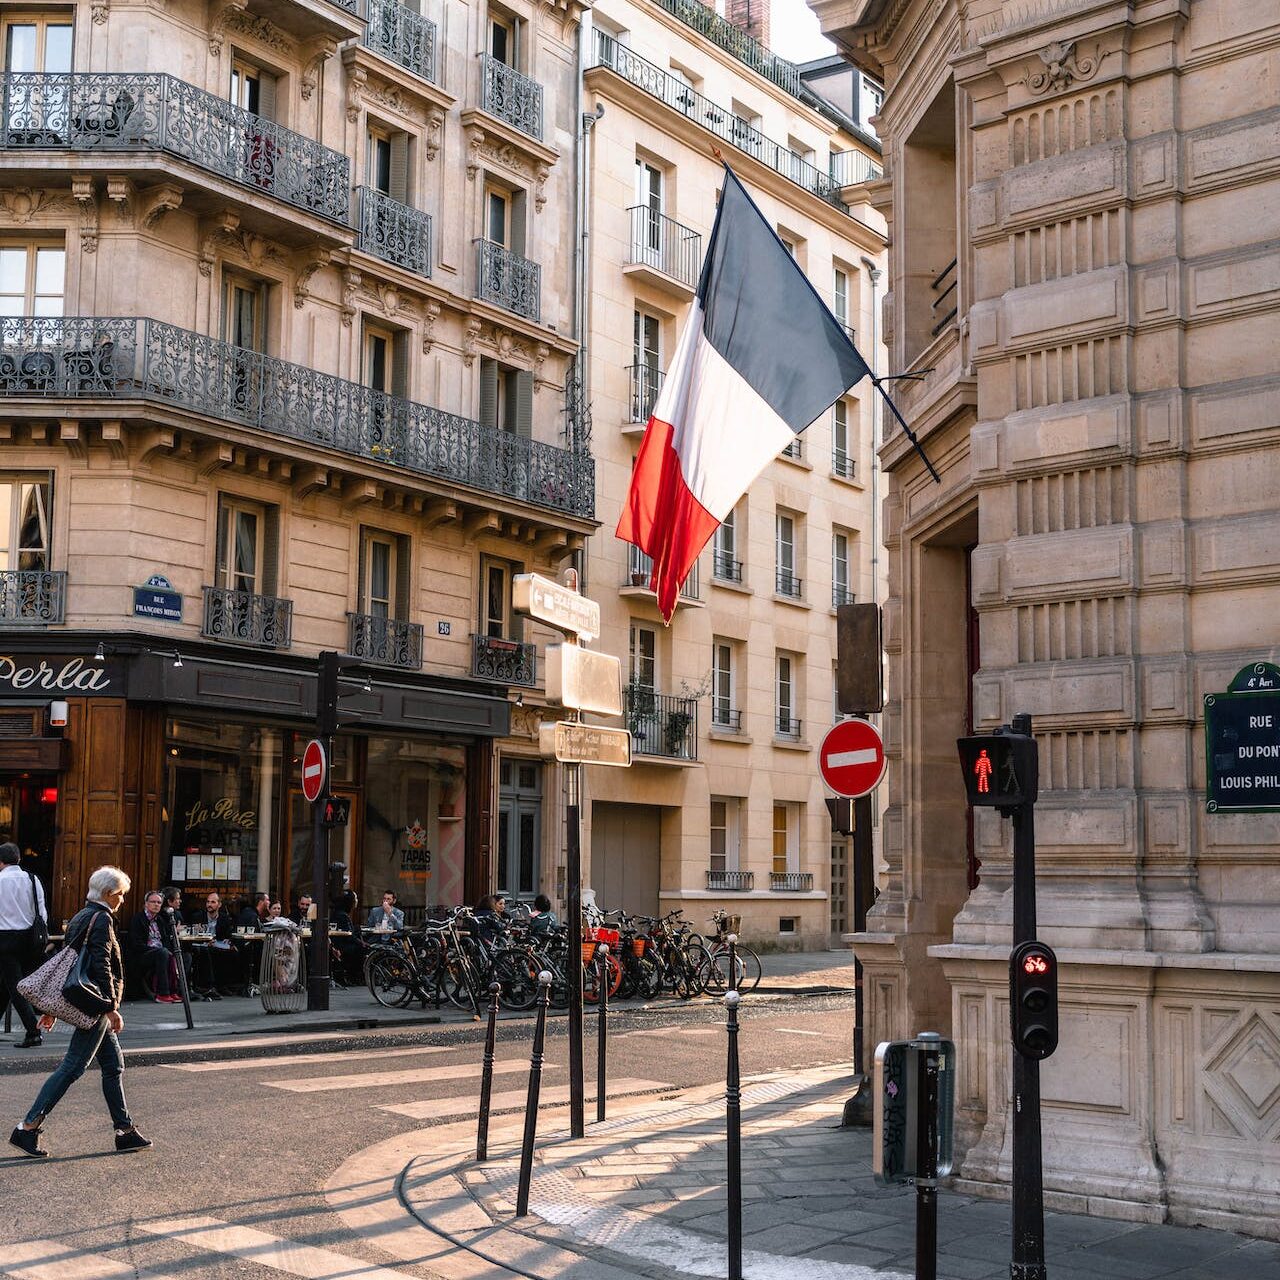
<point x="36" y="43"/>
<point x="32" y="277"/>
<point x="24" y="523"/>
<point x="248" y="546"/>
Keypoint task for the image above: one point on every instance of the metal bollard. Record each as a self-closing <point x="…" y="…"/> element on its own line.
<point x="531" y="1102"/>
<point x="602" y="1029"/>
<point x="486" y="1074"/>
<point x="733" y="961"/>
<point x="733" y="1124"/>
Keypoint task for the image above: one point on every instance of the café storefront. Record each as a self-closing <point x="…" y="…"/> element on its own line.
<point x="184" y="768"/>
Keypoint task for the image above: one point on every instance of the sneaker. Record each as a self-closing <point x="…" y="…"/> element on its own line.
<point x="173" y="999"/>
<point x="131" y="1140"/>
<point x="33" y="1040"/>
<point x="28" y="1142"/>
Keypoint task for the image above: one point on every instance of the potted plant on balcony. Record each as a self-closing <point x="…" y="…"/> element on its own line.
<point x="677" y="728"/>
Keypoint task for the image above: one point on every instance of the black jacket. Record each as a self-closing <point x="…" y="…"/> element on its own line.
<point x="222" y="927"/>
<point x="139" y="930"/>
<point x="106" y="967"/>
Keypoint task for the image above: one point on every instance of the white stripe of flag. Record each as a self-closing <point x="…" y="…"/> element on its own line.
<point x="841" y="759"/>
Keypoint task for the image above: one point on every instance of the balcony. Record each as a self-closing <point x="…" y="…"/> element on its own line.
<point x="785" y="583"/>
<point x="511" y="97"/>
<point x="403" y="37"/>
<point x="842" y="594"/>
<point x="717" y="119"/>
<point x="146" y="111"/>
<point x="661" y="724"/>
<point x="784" y="726"/>
<point x="394" y="232"/>
<point x="32" y="597"/>
<point x="725" y="719"/>
<point x="507" y="280"/>
<point x="244" y="617"/>
<point x="731" y="881"/>
<point x="640" y="572"/>
<point x="724" y="568"/>
<point x="504" y="661"/>
<point x="733" y="40"/>
<point x="791" y="881"/>
<point x="385" y="642"/>
<point x="794" y="450"/>
<point x="942" y="308"/>
<point x="843" y="465"/>
<point x="663" y="246"/>
<point x="849" y="168"/>
<point x="646" y="382"/>
<point x="140" y="359"/>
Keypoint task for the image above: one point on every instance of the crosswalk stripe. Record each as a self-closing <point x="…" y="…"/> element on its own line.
<point x="666" y="1031"/>
<point x="280" y="1254"/>
<point x="795" y="1031"/>
<point x="510" y="1100"/>
<point x="50" y="1260"/>
<point x="296" y="1059"/>
<point x="378" y="1079"/>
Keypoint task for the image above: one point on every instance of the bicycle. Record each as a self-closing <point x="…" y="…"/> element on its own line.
<point x="715" y="973"/>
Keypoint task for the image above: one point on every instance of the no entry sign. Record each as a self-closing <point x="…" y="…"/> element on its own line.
<point x="314" y="769"/>
<point x="852" y="758"/>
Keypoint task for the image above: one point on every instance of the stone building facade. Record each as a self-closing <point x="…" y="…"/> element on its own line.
<point x="1082" y="199"/>
<point x="723" y="807"/>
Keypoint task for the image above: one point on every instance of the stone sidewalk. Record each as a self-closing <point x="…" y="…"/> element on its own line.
<point x="643" y="1196"/>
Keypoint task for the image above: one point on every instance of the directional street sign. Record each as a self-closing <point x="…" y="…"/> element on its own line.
<point x="557" y="606"/>
<point x="584" y="679"/>
<point x="315" y="769"/>
<point x="572" y="743"/>
<point x="852" y="758"/>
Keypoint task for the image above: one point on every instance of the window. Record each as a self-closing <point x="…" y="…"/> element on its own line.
<point x="724" y="834"/>
<point x="870" y="100"/>
<point x="24" y="524"/>
<point x="385" y="360"/>
<point x="725" y="564"/>
<point x="387" y="164"/>
<point x="32" y="278"/>
<point x="646" y="364"/>
<point x="37" y="44"/>
<point x="842" y="463"/>
<point x="644" y="656"/>
<point x="649" y="192"/>
<point x="253" y="89"/>
<point x="785" y="697"/>
<point x="247" y="541"/>
<point x="786" y="582"/>
<point x="784" y="828"/>
<point x="506" y="397"/>
<point x="504" y="34"/>
<point x="841" y="591"/>
<point x="497" y="619"/>
<point x="497" y="205"/>
<point x="244" y="312"/>
<point x="840" y="295"/>
<point x="723" y="714"/>
<point x="384" y="564"/>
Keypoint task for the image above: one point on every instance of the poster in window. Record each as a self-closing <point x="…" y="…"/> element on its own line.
<point x="233" y="866"/>
<point x="220" y="866"/>
<point x="206" y="866"/>
<point x="179" y="867"/>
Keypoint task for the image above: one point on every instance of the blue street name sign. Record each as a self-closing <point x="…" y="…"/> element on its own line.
<point x="157" y="599"/>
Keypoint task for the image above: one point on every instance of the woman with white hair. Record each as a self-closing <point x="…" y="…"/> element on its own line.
<point x="91" y="931"/>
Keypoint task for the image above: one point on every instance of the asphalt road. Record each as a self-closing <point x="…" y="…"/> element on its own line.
<point x="250" y="1142"/>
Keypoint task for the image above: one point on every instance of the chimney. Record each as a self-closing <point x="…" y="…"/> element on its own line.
<point x="752" y="16"/>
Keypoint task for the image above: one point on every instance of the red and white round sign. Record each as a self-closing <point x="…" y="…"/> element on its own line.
<point x="314" y="769"/>
<point x="852" y="758"/>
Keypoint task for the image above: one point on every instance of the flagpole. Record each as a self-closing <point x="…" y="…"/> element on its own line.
<point x="911" y="435"/>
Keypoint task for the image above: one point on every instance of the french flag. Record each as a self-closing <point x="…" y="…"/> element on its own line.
<point x="759" y="359"/>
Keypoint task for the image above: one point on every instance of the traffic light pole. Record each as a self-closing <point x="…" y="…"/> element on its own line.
<point x="573" y="969"/>
<point x="863" y="892"/>
<point x="326" y="730"/>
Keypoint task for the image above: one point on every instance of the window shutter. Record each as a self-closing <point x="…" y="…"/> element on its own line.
<point x="404" y="579"/>
<point x="399" y="189"/>
<point x="220" y="566"/>
<point x="266" y="95"/>
<point x="488" y="392"/>
<point x="524" y="403"/>
<point x="519" y="201"/>
<point x="270" y="575"/>
<point x="400" y="365"/>
<point x="362" y="572"/>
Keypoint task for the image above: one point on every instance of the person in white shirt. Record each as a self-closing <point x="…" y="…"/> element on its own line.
<point x="21" y="900"/>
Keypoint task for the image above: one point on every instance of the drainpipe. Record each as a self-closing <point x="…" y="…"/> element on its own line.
<point x="875" y="273"/>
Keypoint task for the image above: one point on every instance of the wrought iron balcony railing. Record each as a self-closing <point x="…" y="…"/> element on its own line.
<point x="154" y="111"/>
<point x="661" y="724"/>
<point x="733" y="40"/>
<point x="665" y="245"/>
<point x="244" y="617"/>
<point x="795" y="449"/>
<point x="785" y="583"/>
<point x="731" y="881"/>
<point x="133" y="358"/>
<point x="724" y="568"/>
<point x="726" y="719"/>
<point x="405" y="37"/>
<point x="508" y="280"/>
<point x="842" y="594"/>
<point x="640" y="571"/>
<point x="785" y="726"/>
<point x="394" y="232"/>
<point x="791" y="881"/>
<point x="32" y="597"/>
<point x="388" y="642"/>
<point x="843" y="464"/>
<point x="848" y="168"/>
<point x="513" y="98"/>
<point x="506" y="661"/>
<point x="719" y="120"/>
<point x="646" y="382"/>
<point x="943" y="307"/>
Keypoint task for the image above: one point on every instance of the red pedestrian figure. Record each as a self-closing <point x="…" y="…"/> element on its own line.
<point x="982" y="768"/>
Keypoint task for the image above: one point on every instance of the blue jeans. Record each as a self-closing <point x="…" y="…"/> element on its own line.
<point x="97" y="1042"/>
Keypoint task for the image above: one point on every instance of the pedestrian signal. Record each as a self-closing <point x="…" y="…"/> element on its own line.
<point x="999" y="769"/>
<point x="1033" y="1000"/>
<point x="337" y="811"/>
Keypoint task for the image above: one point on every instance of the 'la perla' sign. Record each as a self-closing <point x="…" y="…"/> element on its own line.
<point x="24" y="674"/>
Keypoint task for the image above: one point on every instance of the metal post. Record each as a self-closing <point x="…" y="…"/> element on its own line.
<point x="733" y="961"/>
<point x="863" y="892"/>
<point x="927" y="1163"/>
<point x="733" y="1125"/>
<point x="183" y="989"/>
<point x="486" y="1073"/>
<point x="602" y="1030"/>
<point x="535" y="1088"/>
<point x="318" y="979"/>
<point x="573" y="974"/>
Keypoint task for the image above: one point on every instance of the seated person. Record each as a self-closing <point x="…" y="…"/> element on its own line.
<point x="253" y="915"/>
<point x="489" y="916"/>
<point x="350" y="951"/>
<point x="218" y="964"/>
<point x="543" y="920"/>
<point x="147" y="952"/>
<point x="388" y="915"/>
<point x="273" y="913"/>
<point x="303" y="912"/>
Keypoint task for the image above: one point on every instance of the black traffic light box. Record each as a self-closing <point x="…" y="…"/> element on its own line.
<point x="337" y="811"/>
<point x="1033" y="999"/>
<point x="1000" y="769"/>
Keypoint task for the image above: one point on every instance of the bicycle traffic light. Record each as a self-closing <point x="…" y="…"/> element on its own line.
<point x="1000" y="769"/>
<point x="1033" y="999"/>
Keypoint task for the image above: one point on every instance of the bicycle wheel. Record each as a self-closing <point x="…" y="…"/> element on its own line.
<point x="649" y="980"/>
<point x="389" y="980"/>
<point x="750" y="971"/>
<point x="456" y="979"/>
<point x="518" y="976"/>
